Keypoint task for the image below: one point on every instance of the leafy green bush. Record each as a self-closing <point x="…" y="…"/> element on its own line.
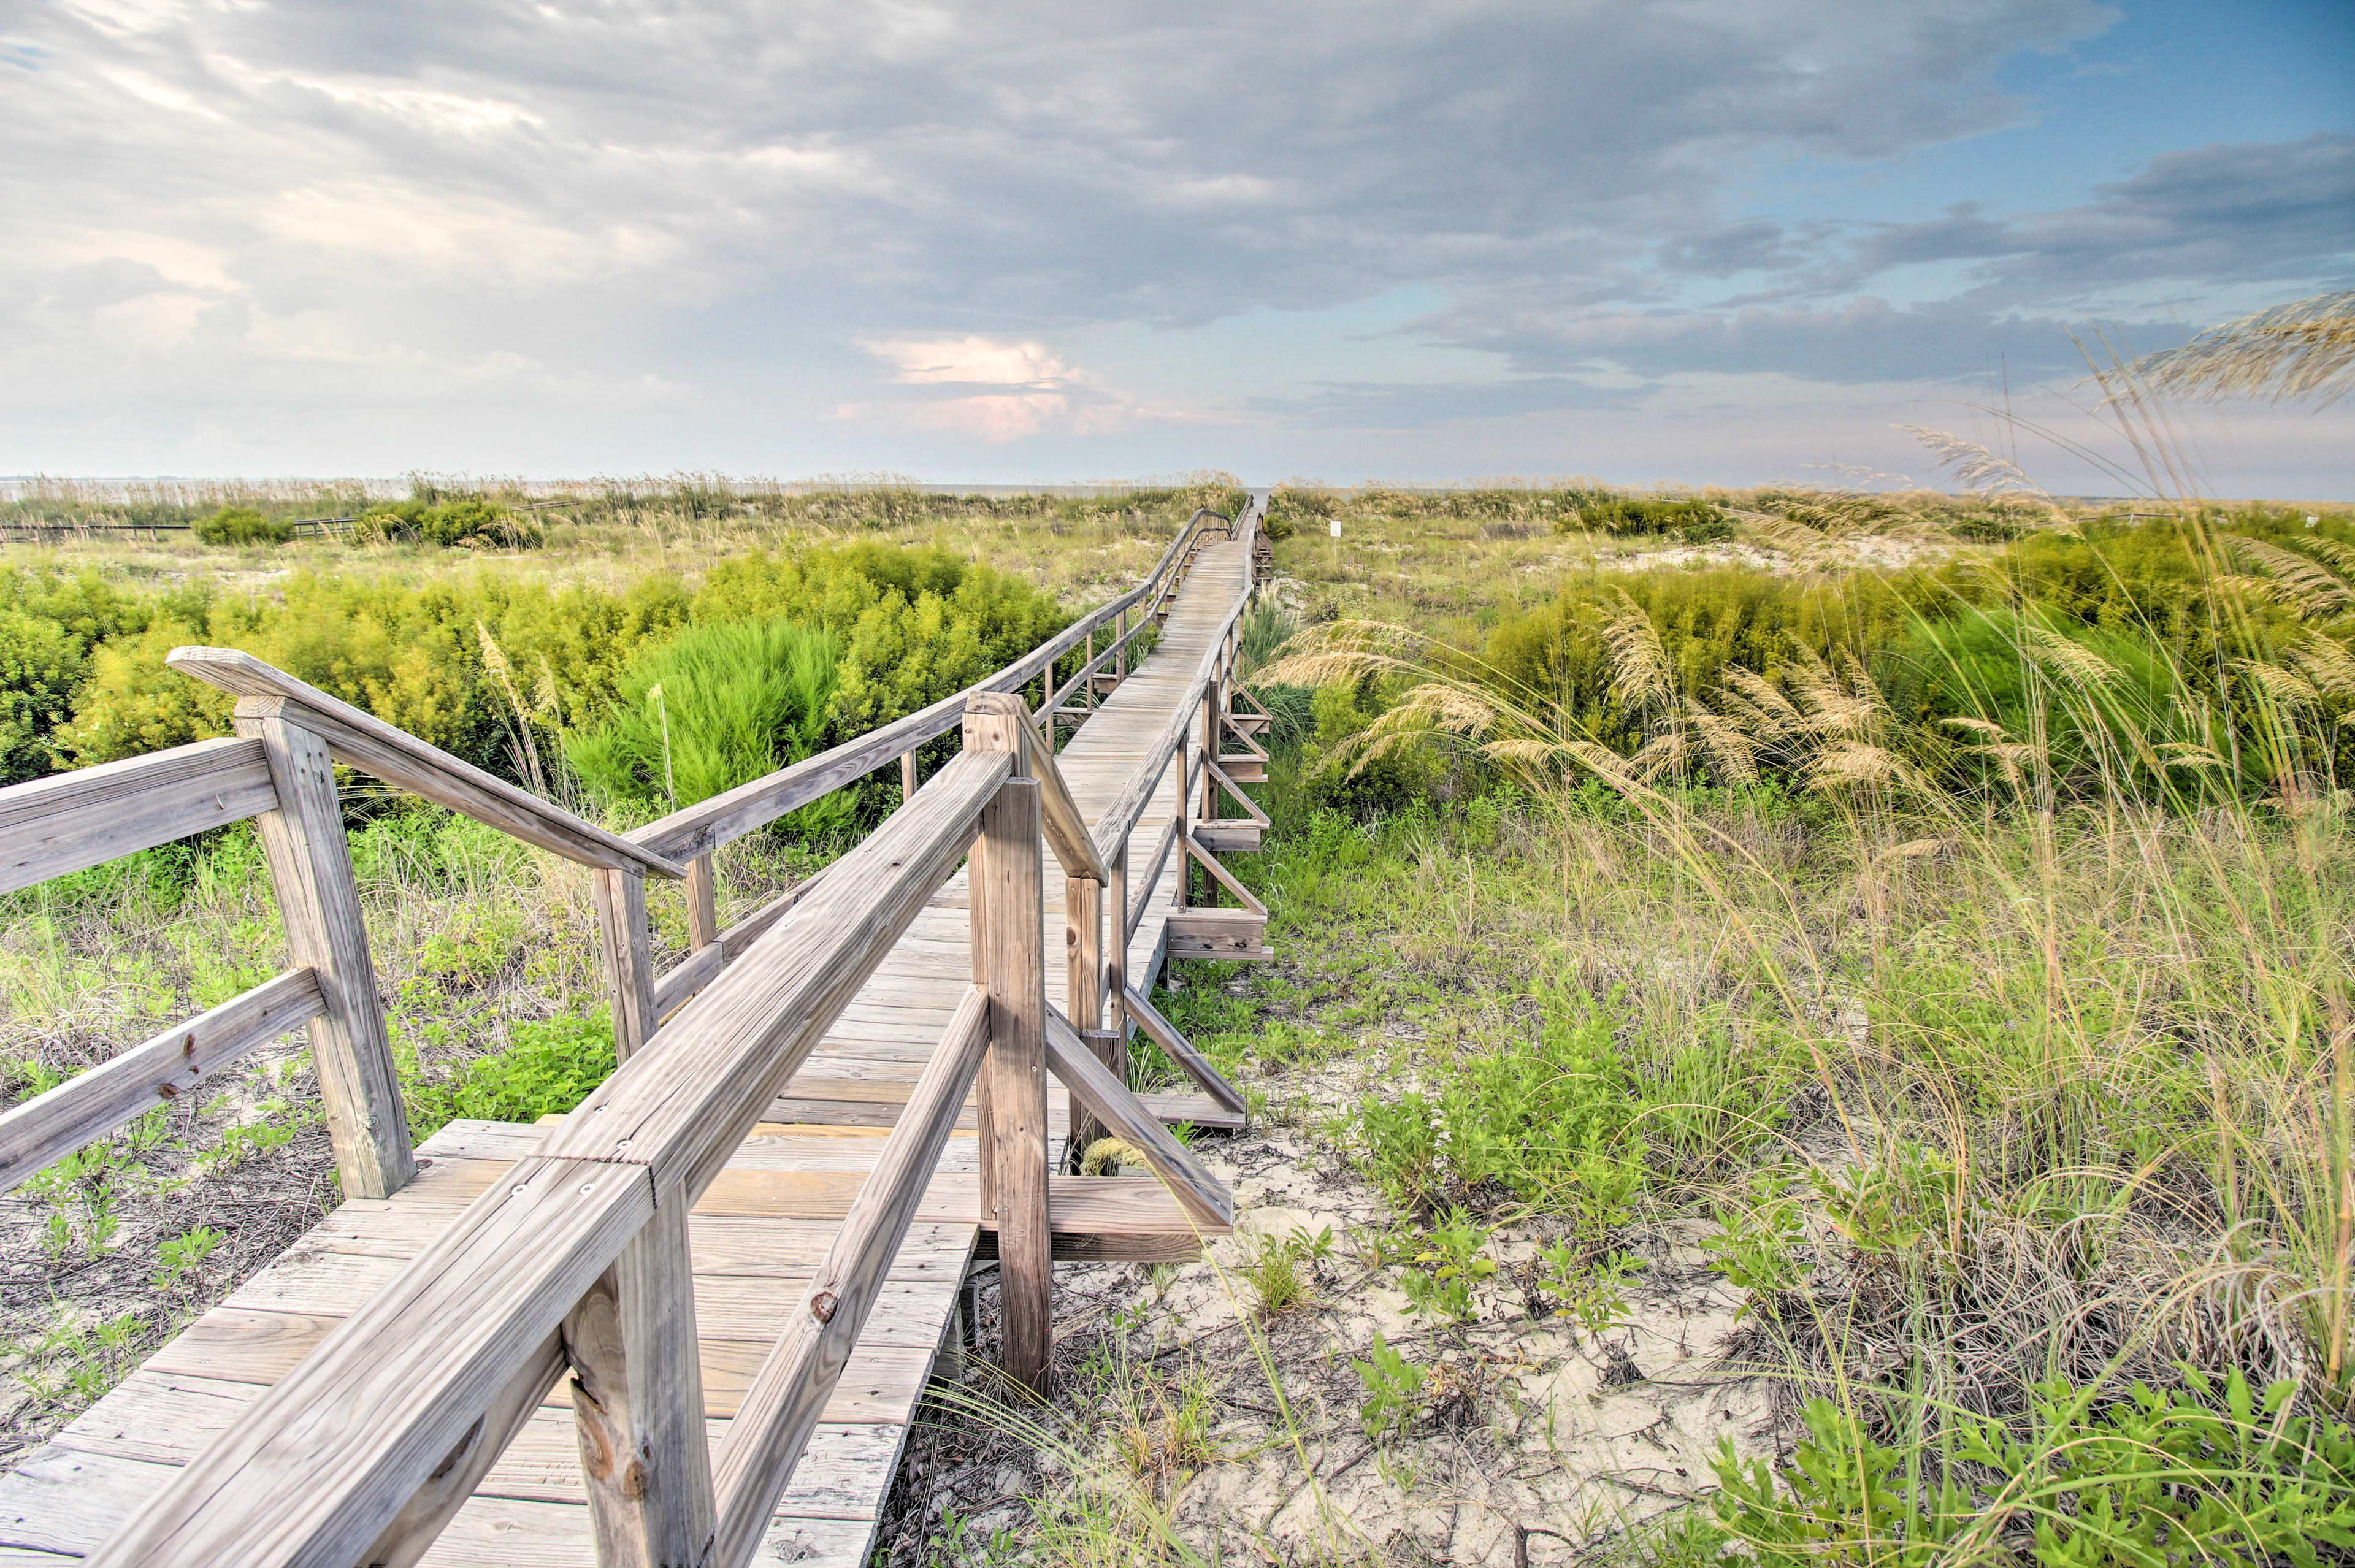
<point x="241" y="526"/>
<point x="1697" y="522"/>
<point x="716" y="707"/>
<point x="547" y="1068"/>
<point x="469" y="523"/>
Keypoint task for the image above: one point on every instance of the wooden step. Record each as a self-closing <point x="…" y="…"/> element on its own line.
<point x="1243" y="768"/>
<point x="1195" y="1110"/>
<point x="1229" y="837"/>
<point x="1221" y="934"/>
<point x="1114" y="1219"/>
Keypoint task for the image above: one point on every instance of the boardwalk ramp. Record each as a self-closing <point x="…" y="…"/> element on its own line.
<point x="689" y="1321"/>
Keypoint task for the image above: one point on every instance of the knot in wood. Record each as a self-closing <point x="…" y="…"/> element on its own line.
<point x="822" y="1307"/>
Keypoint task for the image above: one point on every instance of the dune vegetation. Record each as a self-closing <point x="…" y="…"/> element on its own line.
<point x="1809" y="1025"/>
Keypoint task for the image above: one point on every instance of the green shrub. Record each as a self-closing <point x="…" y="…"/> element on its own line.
<point x="1697" y="522"/>
<point x="547" y="1068"/>
<point x="716" y="707"/>
<point x="469" y="523"/>
<point x="42" y="665"/>
<point x="241" y="526"/>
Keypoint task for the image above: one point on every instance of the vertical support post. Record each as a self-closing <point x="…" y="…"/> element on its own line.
<point x="319" y="899"/>
<point x="627" y="948"/>
<point x="1083" y="949"/>
<point x="906" y="778"/>
<point x="1089" y="665"/>
<point x="702" y="903"/>
<point x="637" y="1402"/>
<point x="1120" y="659"/>
<point x="1116" y="965"/>
<point x="1006" y="887"/>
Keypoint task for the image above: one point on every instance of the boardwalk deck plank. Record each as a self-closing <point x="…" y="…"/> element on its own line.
<point x="757" y="1234"/>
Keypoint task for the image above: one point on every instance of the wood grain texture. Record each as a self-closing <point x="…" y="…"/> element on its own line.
<point x="702" y="903"/>
<point x="331" y="1455"/>
<point x="73" y="820"/>
<point x="319" y="903"/>
<point x="788" y="1393"/>
<point x="625" y="950"/>
<point x="155" y="1072"/>
<point x="399" y="758"/>
<point x="1180" y="1050"/>
<point x="1202" y="1195"/>
<point x="682" y="1110"/>
<point x="637" y="1402"/>
<point x="1009" y="943"/>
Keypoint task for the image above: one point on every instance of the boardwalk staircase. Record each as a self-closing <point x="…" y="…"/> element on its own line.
<point x="688" y="1322"/>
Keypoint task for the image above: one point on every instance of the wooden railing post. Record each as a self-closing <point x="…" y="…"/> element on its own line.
<point x="1009" y="927"/>
<point x="702" y="903"/>
<point x="627" y="948"/>
<point x="319" y="899"/>
<point x="906" y="778"/>
<point x="1120" y="659"/>
<point x="637" y="1400"/>
<point x="1083" y="953"/>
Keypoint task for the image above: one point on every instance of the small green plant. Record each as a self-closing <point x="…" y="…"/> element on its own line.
<point x="181" y="1255"/>
<point x="1591" y="1291"/>
<point x="1440" y="1277"/>
<point x="1281" y="1270"/>
<point x="1756" y="1246"/>
<point x="547" y="1068"/>
<point x="241" y="526"/>
<point x="1394" y="1388"/>
<point x="2198" y="1474"/>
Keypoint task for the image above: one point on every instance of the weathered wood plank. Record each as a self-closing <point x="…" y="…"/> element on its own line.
<point x="335" y="1451"/>
<point x="373" y="746"/>
<point x="764" y="1442"/>
<point x="625" y="948"/>
<point x="730" y="1049"/>
<point x="157" y="1072"/>
<point x="637" y="1400"/>
<point x="1009" y="958"/>
<point x="1180" y="1050"/>
<point x="1202" y="1195"/>
<point x="319" y="904"/>
<point x="70" y="821"/>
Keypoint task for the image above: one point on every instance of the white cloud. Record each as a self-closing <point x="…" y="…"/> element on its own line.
<point x="978" y="361"/>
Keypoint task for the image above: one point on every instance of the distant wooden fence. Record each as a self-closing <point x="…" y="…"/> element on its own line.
<point x="576" y="1260"/>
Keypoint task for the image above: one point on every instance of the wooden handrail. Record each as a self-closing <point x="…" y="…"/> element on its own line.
<point x="394" y="1390"/>
<point x="67" y="822"/>
<point x="53" y="1124"/>
<point x="1065" y="830"/>
<point x="774" y="1422"/>
<point x="399" y="758"/>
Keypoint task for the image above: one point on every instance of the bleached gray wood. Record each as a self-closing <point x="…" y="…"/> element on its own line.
<point x="319" y="903"/>
<point x="1083" y="984"/>
<point x="773" y="1423"/>
<point x="1234" y="792"/>
<point x="1008" y="942"/>
<point x="157" y="1073"/>
<point x="637" y="1400"/>
<point x="373" y="746"/>
<point x="625" y="950"/>
<point x="1226" y="878"/>
<point x="702" y="903"/>
<point x="331" y="1455"/>
<point x="430" y="1508"/>
<point x="1180" y="1050"/>
<point x="70" y="821"/>
<point x="1204" y="1196"/>
<point x="729" y="1050"/>
<point x="1065" y="829"/>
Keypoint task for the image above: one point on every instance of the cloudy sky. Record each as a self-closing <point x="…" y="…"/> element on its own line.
<point x="1694" y="239"/>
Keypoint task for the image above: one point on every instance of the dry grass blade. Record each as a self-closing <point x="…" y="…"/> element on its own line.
<point x="1973" y="465"/>
<point x="2304" y="348"/>
<point x="2307" y="586"/>
<point x="1640" y="677"/>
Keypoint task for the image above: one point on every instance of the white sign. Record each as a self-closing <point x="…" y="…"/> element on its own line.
<point x="1336" y="526"/>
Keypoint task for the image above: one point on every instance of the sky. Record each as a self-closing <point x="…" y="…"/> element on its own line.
<point x="1707" y="242"/>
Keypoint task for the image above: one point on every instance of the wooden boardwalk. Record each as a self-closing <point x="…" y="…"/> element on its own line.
<point x="756" y="1234"/>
